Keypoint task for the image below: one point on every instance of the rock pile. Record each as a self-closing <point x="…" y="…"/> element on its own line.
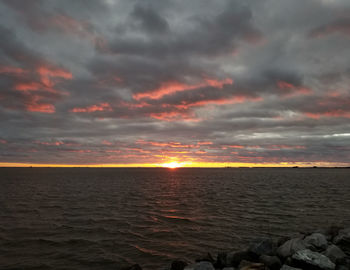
<point x="322" y="250"/>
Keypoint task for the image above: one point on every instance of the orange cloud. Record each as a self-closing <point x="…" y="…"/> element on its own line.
<point x="30" y="86"/>
<point x="35" y="105"/>
<point x="283" y="146"/>
<point x="174" y="116"/>
<point x="48" y="74"/>
<point x="58" y="143"/>
<point x="236" y="146"/>
<point x="80" y="28"/>
<point x="72" y="26"/>
<point x="167" y="144"/>
<point x="341" y="26"/>
<point x="223" y="101"/>
<point x="204" y="143"/>
<point x="171" y="87"/>
<point x="93" y="108"/>
<point x="12" y="70"/>
<point x="105" y="142"/>
<point x="47" y="79"/>
<point x="335" y="113"/>
<point x="134" y="105"/>
<point x="293" y="90"/>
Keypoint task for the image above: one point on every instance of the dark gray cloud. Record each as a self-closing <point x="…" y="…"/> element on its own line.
<point x="109" y="81"/>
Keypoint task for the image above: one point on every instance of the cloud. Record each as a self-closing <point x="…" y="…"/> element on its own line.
<point x="149" y="20"/>
<point x="154" y="81"/>
<point x="341" y="26"/>
<point x="169" y="88"/>
<point x="93" y="108"/>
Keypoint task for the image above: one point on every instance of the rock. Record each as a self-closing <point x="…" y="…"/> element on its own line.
<point x="334" y="253"/>
<point x="288" y="261"/>
<point x="190" y="267"/>
<point x="206" y="258"/>
<point x="273" y="262"/>
<point x="203" y="265"/>
<point x="178" y="265"/>
<point x="308" y="259"/>
<point x="343" y="262"/>
<point x="234" y="258"/>
<point x="342" y="267"/>
<point x="221" y="260"/>
<point x="228" y="268"/>
<point x="316" y="242"/>
<point x="246" y="265"/>
<point x="282" y="240"/>
<point x="263" y="247"/>
<point x="332" y="232"/>
<point x="342" y="240"/>
<point x="133" y="267"/>
<point x="290" y="247"/>
<point x="287" y="267"/>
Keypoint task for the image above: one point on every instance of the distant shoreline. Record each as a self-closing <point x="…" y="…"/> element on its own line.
<point x="165" y="168"/>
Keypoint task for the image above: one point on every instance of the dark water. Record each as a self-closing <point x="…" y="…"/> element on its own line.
<point x="103" y="218"/>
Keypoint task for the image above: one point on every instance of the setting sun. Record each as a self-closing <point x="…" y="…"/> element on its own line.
<point x="172" y="165"/>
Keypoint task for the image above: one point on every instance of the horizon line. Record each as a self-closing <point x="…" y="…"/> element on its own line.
<point x="180" y="165"/>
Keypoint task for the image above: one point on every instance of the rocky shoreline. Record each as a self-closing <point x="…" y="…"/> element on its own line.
<point x="327" y="249"/>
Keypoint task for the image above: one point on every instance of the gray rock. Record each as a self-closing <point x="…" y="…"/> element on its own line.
<point x="334" y="253"/>
<point x="312" y="260"/>
<point x="281" y="240"/>
<point x="190" y="267"/>
<point x="342" y="240"/>
<point x="206" y="257"/>
<point x="221" y="260"/>
<point x="287" y="267"/>
<point x="234" y="258"/>
<point x="316" y="241"/>
<point x="290" y="247"/>
<point x="263" y="246"/>
<point x="246" y="265"/>
<point x="200" y="266"/>
<point x="342" y="267"/>
<point x="272" y="262"/>
<point x="332" y="232"/>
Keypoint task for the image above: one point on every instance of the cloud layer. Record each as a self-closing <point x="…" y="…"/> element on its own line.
<point x="155" y="81"/>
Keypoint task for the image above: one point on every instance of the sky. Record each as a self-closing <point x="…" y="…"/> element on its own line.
<point x="185" y="83"/>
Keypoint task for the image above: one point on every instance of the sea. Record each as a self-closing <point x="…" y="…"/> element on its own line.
<point x="107" y="218"/>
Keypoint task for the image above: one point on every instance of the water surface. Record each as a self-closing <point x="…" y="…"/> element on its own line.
<point x="58" y="218"/>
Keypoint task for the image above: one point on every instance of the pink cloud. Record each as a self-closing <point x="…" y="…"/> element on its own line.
<point x="341" y="26"/>
<point x="333" y="113"/>
<point x="292" y="90"/>
<point x="93" y="108"/>
<point x="34" y="104"/>
<point x="12" y="70"/>
<point x="171" y="87"/>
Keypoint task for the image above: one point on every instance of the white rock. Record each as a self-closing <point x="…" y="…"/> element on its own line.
<point x="311" y="258"/>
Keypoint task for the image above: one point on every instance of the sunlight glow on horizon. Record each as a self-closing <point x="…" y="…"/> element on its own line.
<point x="175" y="164"/>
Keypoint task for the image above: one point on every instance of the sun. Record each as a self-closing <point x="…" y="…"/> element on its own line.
<point x="172" y="165"/>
